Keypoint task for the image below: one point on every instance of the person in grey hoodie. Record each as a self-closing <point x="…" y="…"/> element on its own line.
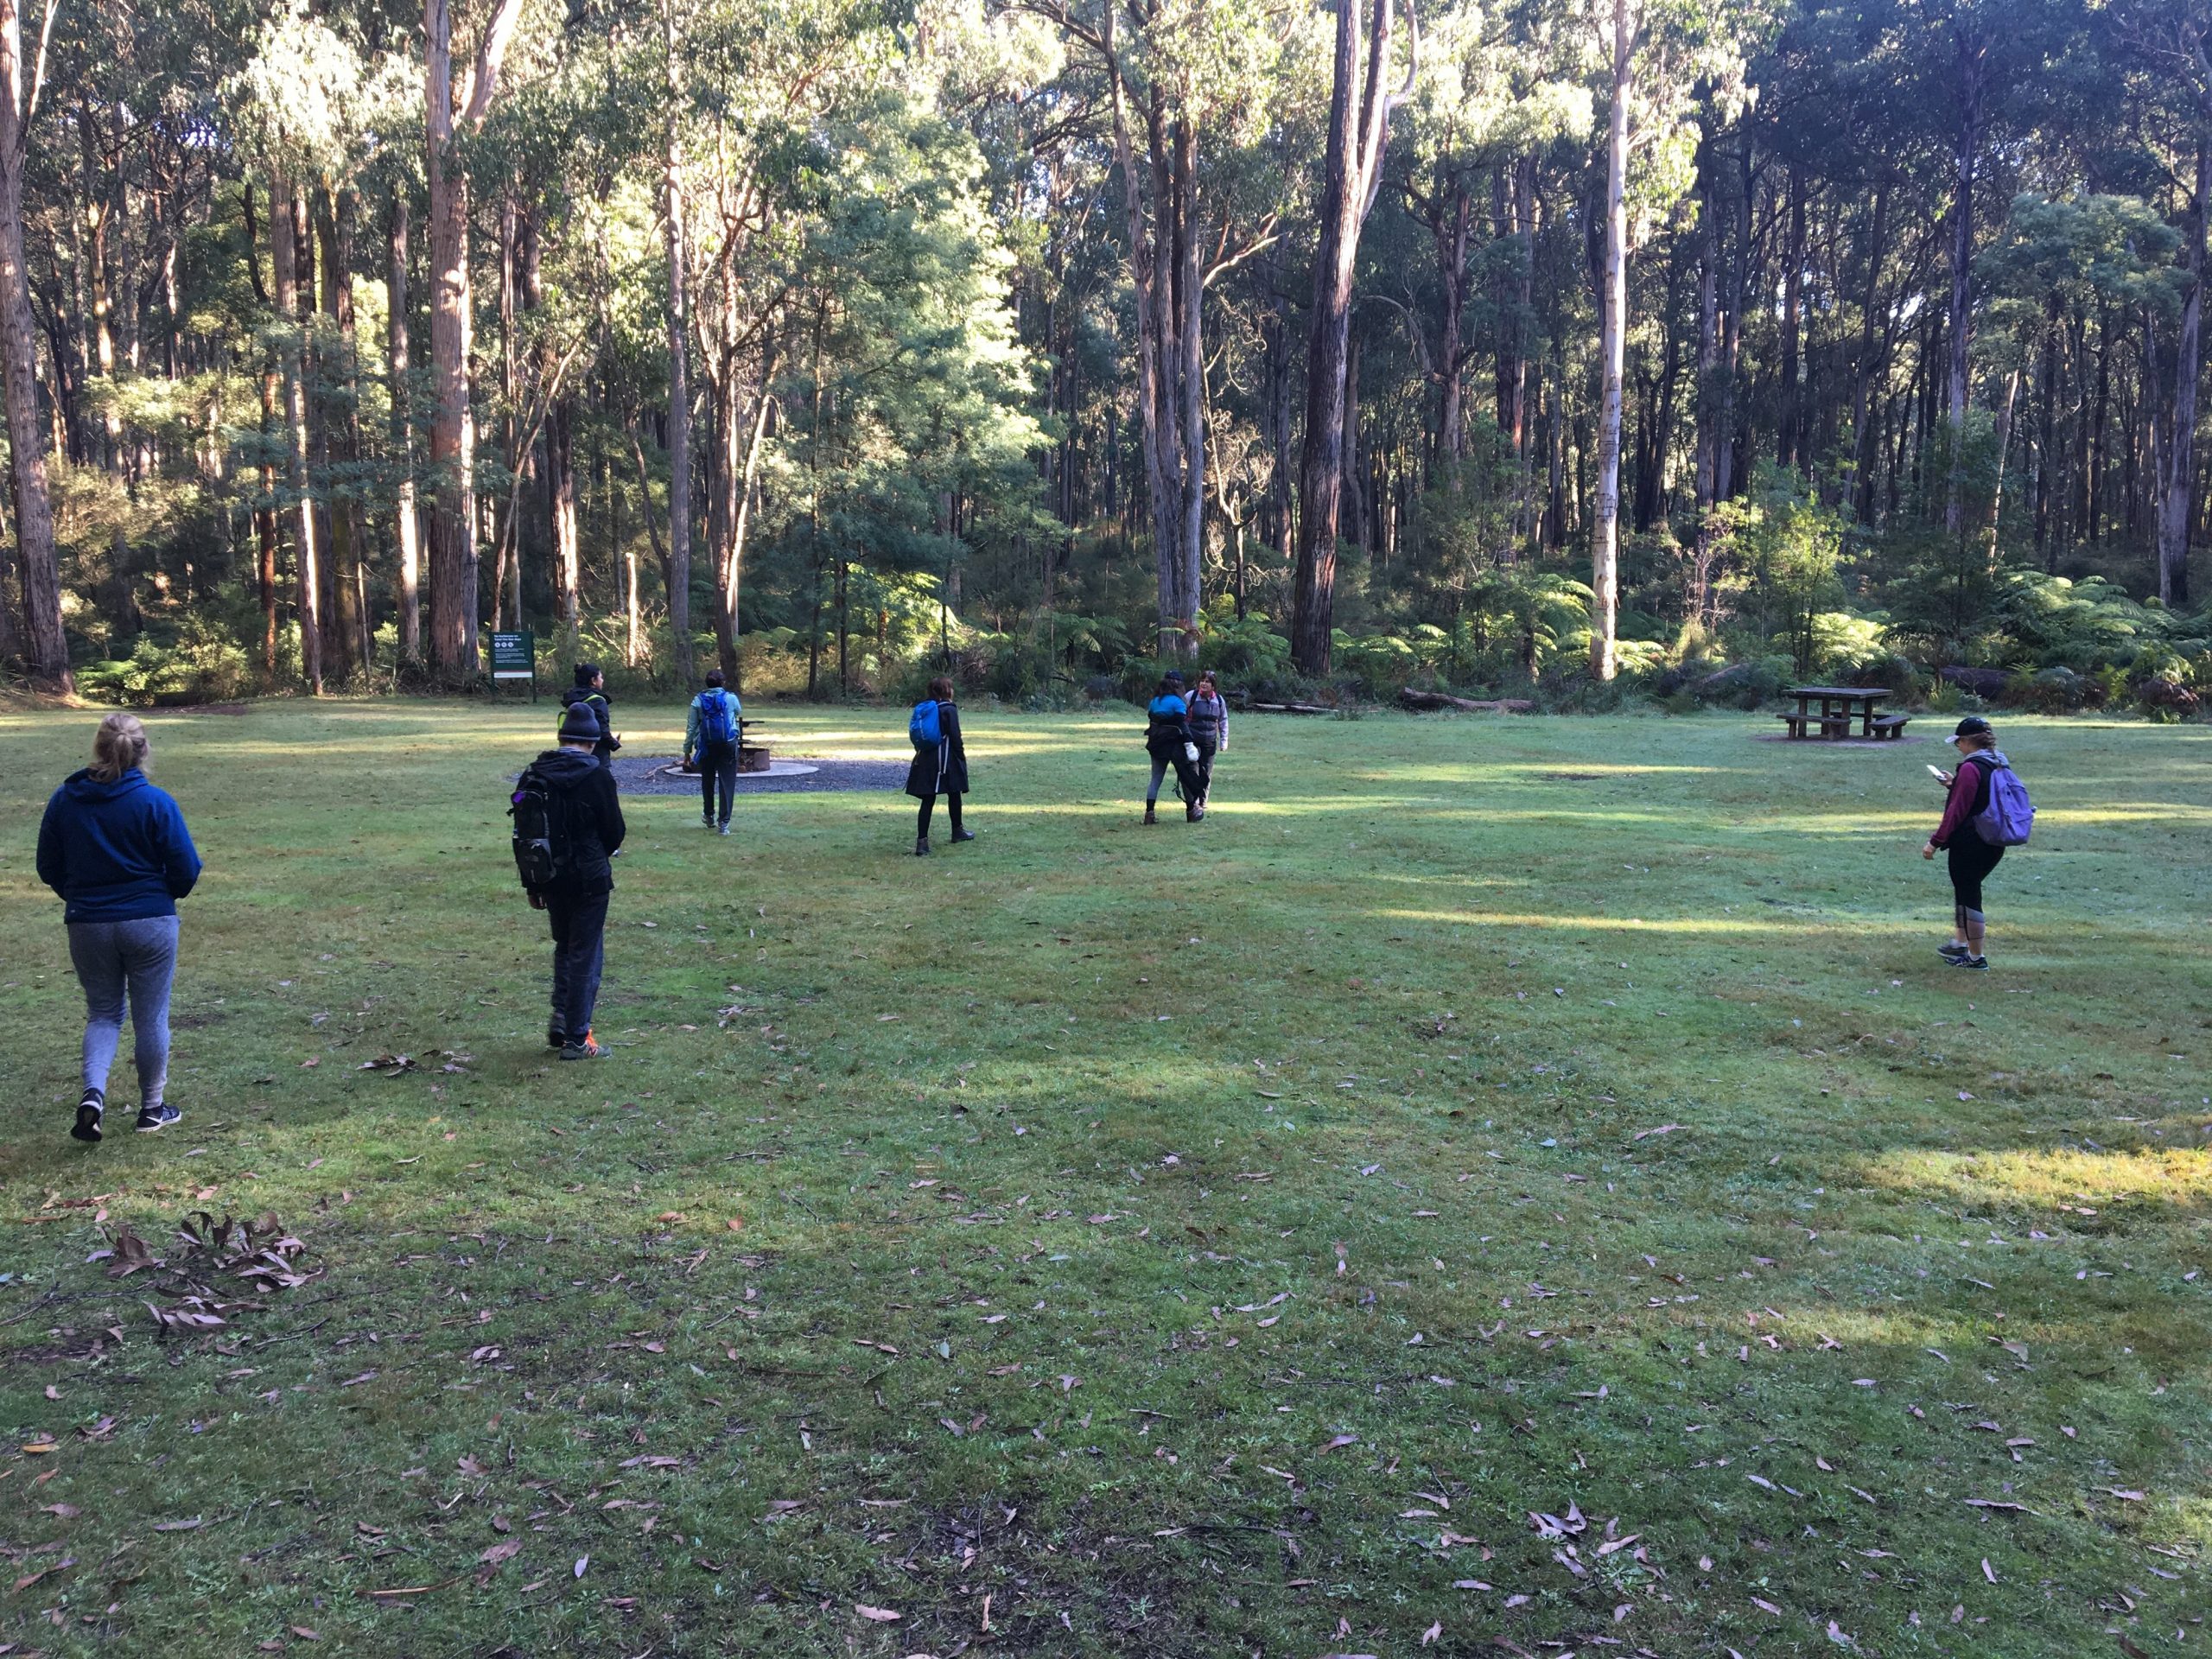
<point x="115" y="850"/>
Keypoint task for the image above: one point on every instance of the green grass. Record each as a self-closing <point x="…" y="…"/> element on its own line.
<point x="1574" y="1111"/>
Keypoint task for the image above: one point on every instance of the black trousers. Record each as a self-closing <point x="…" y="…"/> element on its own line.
<point x="1206" y="767"/>
<point x="1186" y="774"/>
<point x="1971" y="860"/>
<point x="579" y="951"/>
<point x="951" y="808"/>
<point x="717" y="767"/>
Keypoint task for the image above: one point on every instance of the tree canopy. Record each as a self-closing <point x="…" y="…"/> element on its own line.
<point x="839" y="342"/>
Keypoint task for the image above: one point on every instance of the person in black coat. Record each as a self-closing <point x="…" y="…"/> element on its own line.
<point x="1170" y="742"/>
<point x="589" y="694"/>
<point x="939" y="768"/>
<point x="583" y="788"/>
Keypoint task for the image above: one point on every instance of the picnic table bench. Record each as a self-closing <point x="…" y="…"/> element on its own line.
<point x="1841" y="706"/>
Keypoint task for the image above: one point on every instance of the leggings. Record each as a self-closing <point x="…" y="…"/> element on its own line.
<point x="1971" y="859"/>
<point x="952" y="811"/>
<point x="137" y="959"/>
<point x="717" y="767"/>
<point x="1186" y="774"/>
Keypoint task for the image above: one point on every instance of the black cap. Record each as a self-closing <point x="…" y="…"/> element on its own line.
<point x="579" y="725"/>
<point x="1174" y="676"/>
<point x="1972" y="725"/>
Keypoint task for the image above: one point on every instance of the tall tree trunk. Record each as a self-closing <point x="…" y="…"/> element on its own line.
<point x="454" y="652"/>
<point x="1355" y="493"/>
<point x="1605" y="533"/>
<point x="453" y="421"/>
<point x="1452" y="358"/>
<point x="1163" y="271"/>
<point x="2189" y="366"/>
<point x="33" y="514"/>
<point x="1793" y="306"/>
<point x="679" y="377"/>
<point x="349" y="632"/>
<point x="284" y="249"/>
<point x="1706" y="408"/>
<point x="1864" y="450"/>
<point x="1972" y="50"/>
<point x="264" y="523"/>
<point x="406" y="534"/>
<point x="1350" y="172"/>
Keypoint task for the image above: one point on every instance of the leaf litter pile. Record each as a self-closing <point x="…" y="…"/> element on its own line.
<point x="256" y="1254"/>
<point x="1437" y="1290"/>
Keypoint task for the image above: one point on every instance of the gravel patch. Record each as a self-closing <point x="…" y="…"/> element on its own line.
<point x="647" y="775"/>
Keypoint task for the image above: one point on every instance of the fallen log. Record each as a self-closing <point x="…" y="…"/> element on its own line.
<point x="1430" y="701"/>
<point x="1288" y="709"/>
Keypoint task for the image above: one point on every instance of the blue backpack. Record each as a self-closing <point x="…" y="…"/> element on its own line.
<point x="717" y="720"/>
<point x="924" y="729"/>
<point x="2009" y="817"/>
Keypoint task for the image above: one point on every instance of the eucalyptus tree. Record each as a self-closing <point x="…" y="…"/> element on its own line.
<point x="1664" y="58"/>
<point x="1361" y="102"/>
<point x="21" y="82"/>
<point x="313" y="104"/>
<point x="1185" y="85"/>
<point x="2169" y="43"/>
<point x="455" y="108"/>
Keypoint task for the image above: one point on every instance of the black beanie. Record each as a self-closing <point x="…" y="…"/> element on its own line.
<point x="580" y="725"/>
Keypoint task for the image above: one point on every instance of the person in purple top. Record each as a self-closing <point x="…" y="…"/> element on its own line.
<point x="115" y="850"/>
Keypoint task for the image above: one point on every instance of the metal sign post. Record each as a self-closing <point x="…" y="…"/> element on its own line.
<point x="514" y="656"/>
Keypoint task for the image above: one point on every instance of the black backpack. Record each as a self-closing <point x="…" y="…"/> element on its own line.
<point x="541" y="832"/>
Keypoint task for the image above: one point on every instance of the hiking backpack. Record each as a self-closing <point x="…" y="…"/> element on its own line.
<point x="924" y="729"/>
<point x="541" y="832"/>
<point x="2009" y="815"/>
<point x="716" y="723"/>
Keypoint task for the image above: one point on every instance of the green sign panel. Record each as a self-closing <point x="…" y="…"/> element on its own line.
<point x="514" y="656"/>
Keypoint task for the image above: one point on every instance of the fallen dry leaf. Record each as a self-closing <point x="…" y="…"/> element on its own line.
<point x="876" y="1615"/>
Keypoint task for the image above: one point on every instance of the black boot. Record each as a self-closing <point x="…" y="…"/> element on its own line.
<point x="1150" y="815"/>
<point x="1194" y="813"/>
<point x="963" y="835"/>
<point x="921" y="845"/>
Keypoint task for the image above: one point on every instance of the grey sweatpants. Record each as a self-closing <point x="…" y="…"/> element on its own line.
<point x="137" y="958"/>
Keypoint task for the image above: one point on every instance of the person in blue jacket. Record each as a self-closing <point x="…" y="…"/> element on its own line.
<point x="1171" y="742"/>
<point x="116" y="848"/>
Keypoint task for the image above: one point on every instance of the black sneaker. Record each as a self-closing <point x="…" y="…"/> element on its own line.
<point x="556" y="1038"/>
<point x="155" y="1117"/>
<point x="90" y="1110"/>
<point x="1976" y="965"/>
<point x="1953" y="952"/>
<point x="583" y="1049"/>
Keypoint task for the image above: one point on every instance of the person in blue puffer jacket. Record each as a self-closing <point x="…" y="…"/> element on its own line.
<point x="1169" y="740"/>
<point x="115" y="850"/>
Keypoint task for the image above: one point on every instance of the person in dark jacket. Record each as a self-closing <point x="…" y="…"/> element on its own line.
<point x="589" y="692"/>
<point x="116" y="848"/>
<point x="1171" y="742"/>
<point x="1208" y="715"/>
<point x="710" y="736"/>
<point x="1971" y="859"/>
<point x="584" y="789"/>
<point x="939" y="768"/>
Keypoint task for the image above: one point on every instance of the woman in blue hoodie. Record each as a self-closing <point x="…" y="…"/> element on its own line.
<point x="116" y="848"/>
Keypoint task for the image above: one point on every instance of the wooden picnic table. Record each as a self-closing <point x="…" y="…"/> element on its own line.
<point x="1839" y="706"/>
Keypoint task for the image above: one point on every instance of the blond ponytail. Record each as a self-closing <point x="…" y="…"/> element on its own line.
<point x="118" y="746"/>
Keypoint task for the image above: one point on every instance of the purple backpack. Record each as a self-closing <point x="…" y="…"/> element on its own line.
<point x="2009" y="815"/>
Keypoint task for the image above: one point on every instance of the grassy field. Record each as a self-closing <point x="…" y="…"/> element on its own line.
<point x="1519" y="1185"/>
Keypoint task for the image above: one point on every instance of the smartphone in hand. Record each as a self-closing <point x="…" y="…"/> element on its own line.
<point x="1940" y="776"/>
